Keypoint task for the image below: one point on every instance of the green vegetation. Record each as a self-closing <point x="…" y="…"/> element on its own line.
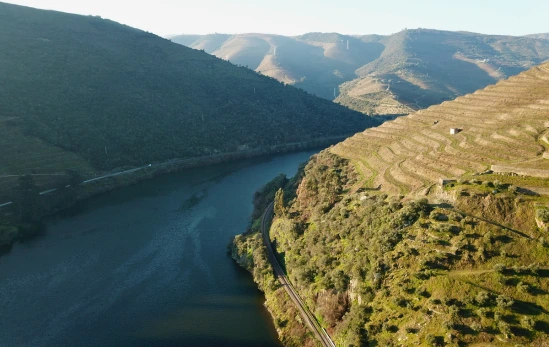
<point x="378" y="268"/>
<point x="114" y="96"/>
<point x="402" y="235"/>
<point x="248" y="251"/>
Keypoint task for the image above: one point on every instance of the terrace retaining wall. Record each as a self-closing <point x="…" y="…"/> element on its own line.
<point x="520" y="171"/>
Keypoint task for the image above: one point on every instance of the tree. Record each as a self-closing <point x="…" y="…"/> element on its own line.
<point x="279" y="208"/>
<point x="74" y="178"/>
<point x="27" y="199"/>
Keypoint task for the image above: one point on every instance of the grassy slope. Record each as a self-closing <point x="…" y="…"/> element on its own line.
<point x="23" y="155"/>
<point x="115" y="96"/>
<point x="410" y="70"/>
<point x="468" y="266"/>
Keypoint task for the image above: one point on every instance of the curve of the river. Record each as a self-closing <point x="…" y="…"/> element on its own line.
<point x="144" y="265"/>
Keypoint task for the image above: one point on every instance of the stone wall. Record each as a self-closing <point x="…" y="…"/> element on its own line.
<point x="520" y="171"/>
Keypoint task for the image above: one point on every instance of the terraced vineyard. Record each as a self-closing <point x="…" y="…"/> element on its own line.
<point x="505" y="125"/>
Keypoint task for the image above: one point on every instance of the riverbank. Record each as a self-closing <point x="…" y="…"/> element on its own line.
<point x="249" y="252"/>
<point x="55" y="201"/>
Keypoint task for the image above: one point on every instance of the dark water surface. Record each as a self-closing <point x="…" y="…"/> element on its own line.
<point x="145" y="265"/>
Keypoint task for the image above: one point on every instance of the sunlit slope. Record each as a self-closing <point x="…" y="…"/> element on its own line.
<point x="374" y="74"/>
<point x="504" y="124"/>
<point x="421" y="67"/>
<point x="315" y="62"/>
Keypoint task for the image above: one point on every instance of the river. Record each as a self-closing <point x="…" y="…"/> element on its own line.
<point x="145" y="265"/>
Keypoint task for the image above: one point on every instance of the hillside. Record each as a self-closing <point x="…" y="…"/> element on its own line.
<point x="424" y="67"/>
<point x="385" y="254"/>
<point x="501" y="125"/>
<point x="315" y="62"/>
<point x="375" y="74"/>
<point x="540" y="36"/>
<point x="84" y="93"/>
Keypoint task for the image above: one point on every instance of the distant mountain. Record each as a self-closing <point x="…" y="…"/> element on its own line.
<point x="87" y="93"/>
<point x="376" y="74"/>
<point x="539" y="36"/>
<point x="316" y="62"/>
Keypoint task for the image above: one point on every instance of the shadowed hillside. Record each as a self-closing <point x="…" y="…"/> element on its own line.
<point x="90" y="94"/>
<point x="385" y="254"/>
<point x="375" y="74"/>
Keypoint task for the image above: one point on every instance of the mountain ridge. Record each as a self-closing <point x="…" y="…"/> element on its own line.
<point x="382" y="74"/>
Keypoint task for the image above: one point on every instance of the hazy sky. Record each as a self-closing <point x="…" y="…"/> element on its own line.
<point x="292" y="17"/>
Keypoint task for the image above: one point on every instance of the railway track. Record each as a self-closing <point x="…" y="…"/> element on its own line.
<point x="307" y="316"/>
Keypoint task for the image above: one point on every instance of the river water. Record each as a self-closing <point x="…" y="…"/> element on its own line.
<point x="145" y="265"/>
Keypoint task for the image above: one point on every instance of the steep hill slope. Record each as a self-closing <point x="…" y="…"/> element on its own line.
<point x="424" y="67"/>
<point x="316" y="62"/>
<point x="502" y="125"/>
<point x="375" y="74"/>
<point x="385" y="256"/>
<point x="91" y="94"/>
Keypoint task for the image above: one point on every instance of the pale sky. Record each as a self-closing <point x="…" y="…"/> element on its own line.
<point x="293" y="17"/>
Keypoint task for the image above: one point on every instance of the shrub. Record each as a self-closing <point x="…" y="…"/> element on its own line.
<point x="504" y="301"/>
<point x="488" y="238"/>
<point x="482" y="312"/>
<point x="523" y="287"/>
<point x="504" y="329"/>
<point x="533" y="269"/>
<point x="476" y="326"/>
<point x="483" y="298"/>
<point x="455" y="216"/>
<point x="500" y="268"/>
<point x="542" y="214"/>
<point x="432" y="340"/>
<point x="527" y="322"/>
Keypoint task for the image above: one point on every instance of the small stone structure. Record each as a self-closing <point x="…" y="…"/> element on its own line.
<point x="454" y="131"/>
<point x="445" y="181"/>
